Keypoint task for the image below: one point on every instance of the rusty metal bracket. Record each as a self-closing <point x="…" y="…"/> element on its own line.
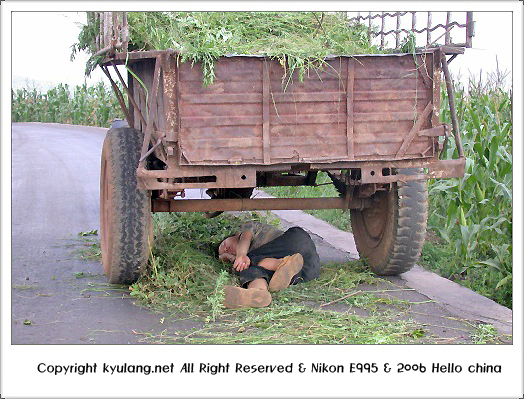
<point x="422" y="118"/>
<point x="451" y="168"/>
<point x="119" y="96"/>
<point x="159" y="141"/>
<point x="437" y="131"/>
<point x="109" y="49"/>
<point x="183" y="177"/>
<point x="452" y="110"/>
<point x="436" y="169"/>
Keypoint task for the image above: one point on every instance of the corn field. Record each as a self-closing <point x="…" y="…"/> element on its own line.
<point x="471" y="217"/>
<point x="84" y="105"/>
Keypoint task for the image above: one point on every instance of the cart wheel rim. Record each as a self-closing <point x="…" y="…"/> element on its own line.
<point x="375" y="218"/>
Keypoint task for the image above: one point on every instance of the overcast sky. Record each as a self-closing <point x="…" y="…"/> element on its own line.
<point x="42" y="46"/>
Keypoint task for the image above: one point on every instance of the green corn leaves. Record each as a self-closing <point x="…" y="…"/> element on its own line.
<point x="84" y="105"/>
<point x="474" y="214"/>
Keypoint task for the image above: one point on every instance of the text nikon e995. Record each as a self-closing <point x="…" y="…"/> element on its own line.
<point x="290" y="368"/>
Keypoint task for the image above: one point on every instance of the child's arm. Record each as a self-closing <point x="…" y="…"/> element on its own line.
<point x="242" y="261"/>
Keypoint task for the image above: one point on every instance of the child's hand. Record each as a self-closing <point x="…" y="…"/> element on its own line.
<point x="242" y="262"/>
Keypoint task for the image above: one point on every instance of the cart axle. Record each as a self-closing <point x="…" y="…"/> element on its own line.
<point x="262" y="204"/>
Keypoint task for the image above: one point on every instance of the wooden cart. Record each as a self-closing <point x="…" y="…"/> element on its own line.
<point x="370" y="121"/>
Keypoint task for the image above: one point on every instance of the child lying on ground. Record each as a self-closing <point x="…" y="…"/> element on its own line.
<point x="267" y="259"/>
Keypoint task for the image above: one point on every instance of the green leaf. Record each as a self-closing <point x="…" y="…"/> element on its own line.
<point x="475" y="119"/>
<point x="479" y="193"/>
<point x="493" y="151"/>
<point x="502" y="189"/>
<point x="463" y="221"/>
<point x="504" y="281"/>
<point x="493" y="263"/>
<point x="88" y="233"/>
<point x="444" y="234"/>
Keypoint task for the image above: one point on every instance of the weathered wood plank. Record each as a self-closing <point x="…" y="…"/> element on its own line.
<point x="350" y="109"/>
<point x="266" y="98"/>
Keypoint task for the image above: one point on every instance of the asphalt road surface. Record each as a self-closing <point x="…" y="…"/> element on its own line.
<point x="59" y="298"/>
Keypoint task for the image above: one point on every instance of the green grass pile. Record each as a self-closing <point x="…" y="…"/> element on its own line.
<point x="184" y="273"/>
<point x="300" y="40"/>
<point x="185" y="279"/>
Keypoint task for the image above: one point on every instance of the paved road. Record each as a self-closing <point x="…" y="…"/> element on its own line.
<point x="55" y="196"/>
<point x="58" y="298"/>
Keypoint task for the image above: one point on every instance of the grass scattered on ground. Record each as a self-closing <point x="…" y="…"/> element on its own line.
<point x="296" y="325"/>
<point x="185" y="280"/>
<point x="24" y="287"/>
<point x="485" y="333"/>
<point x="185" y="277"/>
<point x="90" y="250"/>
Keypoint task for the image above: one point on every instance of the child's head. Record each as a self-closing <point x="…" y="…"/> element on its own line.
<point x="229" y="245"/>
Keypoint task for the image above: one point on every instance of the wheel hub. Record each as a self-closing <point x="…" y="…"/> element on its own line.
<point x="374" y="218"/>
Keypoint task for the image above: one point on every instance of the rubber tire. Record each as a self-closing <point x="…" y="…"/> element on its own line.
<point x="390" y="235"/>
<point x="126" y="225"/>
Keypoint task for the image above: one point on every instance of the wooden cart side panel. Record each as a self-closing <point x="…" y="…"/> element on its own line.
<point x="223" y="122"/>
<point x="308" y="119"/>
<point x="390" y="95"/>
<point x="245" y="117"/>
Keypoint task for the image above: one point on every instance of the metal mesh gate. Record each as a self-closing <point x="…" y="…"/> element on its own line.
<point x="437" y="26"/>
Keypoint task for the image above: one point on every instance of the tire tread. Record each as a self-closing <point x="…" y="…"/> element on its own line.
<point x="129" y="244"/>
<point x="402" y="249"/>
